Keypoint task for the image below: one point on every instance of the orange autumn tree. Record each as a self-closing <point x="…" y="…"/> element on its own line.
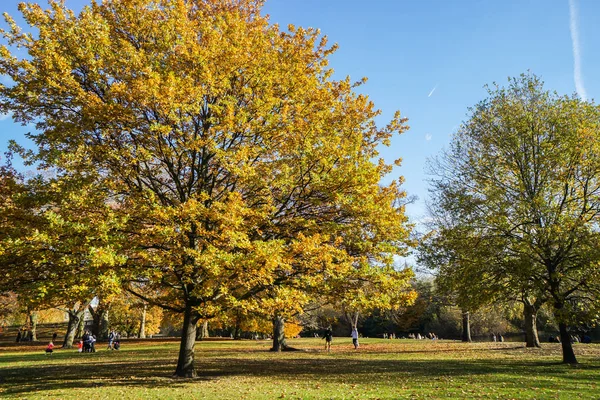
<point x="224" y="148"/>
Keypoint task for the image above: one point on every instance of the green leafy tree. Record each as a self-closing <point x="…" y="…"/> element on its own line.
<point x="518" y="201"/>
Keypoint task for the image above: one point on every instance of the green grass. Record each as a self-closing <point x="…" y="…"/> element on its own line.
<point x="381" y="369"/>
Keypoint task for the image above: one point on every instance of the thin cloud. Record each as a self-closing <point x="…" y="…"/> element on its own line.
<point x="574" y="26"/>
<point x="432" y="90"/>
<point x="428" y="137"/>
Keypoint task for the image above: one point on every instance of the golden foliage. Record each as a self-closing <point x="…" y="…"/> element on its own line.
<point x="235" y="172"/>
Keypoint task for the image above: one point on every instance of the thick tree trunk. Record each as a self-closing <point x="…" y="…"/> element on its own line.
<point x="33" y="320"/>
<point x="279" y="343"/>
<point x="74" y="319"/>
<point x="142" y="332"/>
<point x="530" y="316"/>
<point x="95" y="313"/>
<point x="185" y="363"/>
<point x="80" y="327"/>
<point x="237" y="330"/>
<point x="204" y="330"/>
<point x="104" y="323"/>
<point x="71" y="331"/>
<point x="351" y="317"/>
<point x="100" y="315"/>
<point x="355" y="320"/>
<point x="567" y="346"/>
<point x="466" y="327"/>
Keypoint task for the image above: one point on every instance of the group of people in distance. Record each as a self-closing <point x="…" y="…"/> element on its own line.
<point x="114" y="340"/>
<point x="87" y="344"/>
<point x="418" y="336"/>
<point x="328" y="336"/>
<point x="24" y="335"/>
<point x="574" y="339"/>
<point x="498" y="338"/>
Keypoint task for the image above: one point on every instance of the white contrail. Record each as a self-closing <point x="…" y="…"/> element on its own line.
<point x="576" y="50"/>
<point x="432" y="90"/>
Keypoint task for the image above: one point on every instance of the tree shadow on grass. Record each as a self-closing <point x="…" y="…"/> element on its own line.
<point x="155" y="370"/>
<point x="370" y="368"/>
<point x="141" y="373"/>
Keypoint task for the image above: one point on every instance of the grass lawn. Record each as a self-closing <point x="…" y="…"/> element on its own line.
<point x="380" y="369"/>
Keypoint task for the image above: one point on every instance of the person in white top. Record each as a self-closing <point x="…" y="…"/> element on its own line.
<point x="355" y="337"/>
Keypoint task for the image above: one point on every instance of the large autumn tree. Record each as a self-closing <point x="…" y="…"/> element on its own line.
<point x="517" y="204"/>
<point x="224" y="148"/>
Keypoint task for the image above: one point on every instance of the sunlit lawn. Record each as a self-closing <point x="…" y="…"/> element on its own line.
<point x="247" y="370"/>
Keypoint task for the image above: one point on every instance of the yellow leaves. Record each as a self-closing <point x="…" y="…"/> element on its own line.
<point x="378" y="288"/>
<point x="105" y="257"/>
<point x="108" y="285"/>
<point x="291" y="329"/>
<point x="219" y="155"/>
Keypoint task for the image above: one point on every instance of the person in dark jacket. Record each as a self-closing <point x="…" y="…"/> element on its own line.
<point x="328" y="339"/>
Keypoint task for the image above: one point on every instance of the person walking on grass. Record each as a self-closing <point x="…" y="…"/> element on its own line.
<point x="328" y="339"/>
<point x="111" y="338"/>
<point x="354" y="335"/>
<point x="92" y="343"/>
<point x="49" y="348"/>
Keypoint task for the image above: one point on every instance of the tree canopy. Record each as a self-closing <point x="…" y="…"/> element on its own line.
<point x="517" y="198"/>
<point x="227" y="162"/>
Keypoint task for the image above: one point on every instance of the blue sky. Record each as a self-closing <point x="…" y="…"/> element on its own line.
<point x="408" y="48"/>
